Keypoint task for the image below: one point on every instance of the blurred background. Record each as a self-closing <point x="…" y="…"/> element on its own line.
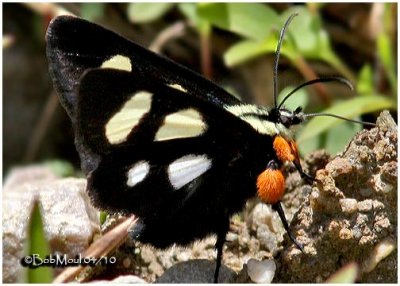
<point x="231" y="43"/>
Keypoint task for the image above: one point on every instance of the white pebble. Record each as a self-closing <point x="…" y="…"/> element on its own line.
<point x="261" y="271"/>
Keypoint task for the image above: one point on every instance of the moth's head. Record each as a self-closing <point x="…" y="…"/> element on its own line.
<point x="286" y="117"/>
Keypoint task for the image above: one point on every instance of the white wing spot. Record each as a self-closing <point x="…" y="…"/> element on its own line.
<point x="186" y="169"/>
<point x="121" y="124"/>
<point x="118" y="62"/>
<point x="137" y="173"/>
<point x="182" y="124"/>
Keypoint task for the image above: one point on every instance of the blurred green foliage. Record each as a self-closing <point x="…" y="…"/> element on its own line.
<point x="92" y="11"/>
<point x="257" y="26"/>
<point x="60" y="168"/>
<point x="142" y="13"/>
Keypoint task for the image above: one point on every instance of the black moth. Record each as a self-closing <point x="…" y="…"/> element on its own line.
<point x="160" y="141"/>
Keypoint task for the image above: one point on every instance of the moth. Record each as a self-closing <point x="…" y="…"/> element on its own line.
<point x="157" y="140"/>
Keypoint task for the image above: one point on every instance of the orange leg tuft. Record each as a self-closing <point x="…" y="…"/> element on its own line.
<point x="283" y="149"/>
<point x="270" y="186"/>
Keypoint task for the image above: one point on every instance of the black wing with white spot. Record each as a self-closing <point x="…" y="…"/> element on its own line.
<point x="162" y="142"/>
<point x="181" y="159"/>
<point x="155" y="139"/>
<point x="74" y="45"/>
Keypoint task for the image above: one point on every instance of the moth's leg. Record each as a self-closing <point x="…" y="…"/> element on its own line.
<point x="221" y="236"/>
<point x="278" y="207"/>
<point x="287" y="151"/>
<point x="137" y="230"/>
<point x="309" y="179"/>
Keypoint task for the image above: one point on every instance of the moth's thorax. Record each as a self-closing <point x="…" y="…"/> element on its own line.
<point x="278" y="124"/>
<point x="267" y="121"/>
<point x="287" y="133"/>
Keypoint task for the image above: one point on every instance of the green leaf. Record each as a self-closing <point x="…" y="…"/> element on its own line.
<point x="36" y="243"/>
<point x="248" y="49"/>
<point x="92" y="11"/>
<point x="365" y="80"/>
<point x="304" y="30"/>
<point x="385" y="54"/>
<point x="384" y="50"/>
<point x="349" y="109"/>
<point x="103" y="217"/>
<point x="300" y="98"/>
<point x="60" y="168"/>
<point x="347" y="274"/>
<point x="340" y="135"/>
<point x="305" y="37"/>
<point x="251" y="20"/>
<point x="311" y="41"/>
<point x="191" y="12"/>
<point x="146" y="12"/>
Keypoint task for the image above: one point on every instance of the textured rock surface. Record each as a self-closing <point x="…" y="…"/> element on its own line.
<point x="69" y="220"/>
<point x="351" y="213"/>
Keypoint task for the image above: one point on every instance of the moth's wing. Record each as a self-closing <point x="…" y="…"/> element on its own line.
<point x="75" y="45"/>
<point x="173" y="177"/>
<point x="205" y="170"/>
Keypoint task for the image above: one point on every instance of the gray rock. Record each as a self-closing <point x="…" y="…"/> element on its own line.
<point x="69" y="220"/>
<point x="196" y="271"/>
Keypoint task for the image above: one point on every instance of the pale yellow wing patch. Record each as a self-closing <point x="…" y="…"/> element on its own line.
<point x="177" y="87"/>
<point x="263" y="127"/>
<point x="182" y="124"/>
<point x="122" y="123"/>
<point x="242" y="109"/>
<point x="118" y="62"/>
<point x="249" y="113"/>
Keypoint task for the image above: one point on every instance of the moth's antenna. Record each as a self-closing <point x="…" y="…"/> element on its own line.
<point x="339" y="117"/>
<point x="277" y="54"/>
<point x="314" y="81"/>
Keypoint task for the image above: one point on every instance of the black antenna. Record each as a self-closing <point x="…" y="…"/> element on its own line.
<point x="328" y="79"/>
<point x="339" y="117"/>
<point x="277" y="54"/>
<point x="314" y="81"/>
